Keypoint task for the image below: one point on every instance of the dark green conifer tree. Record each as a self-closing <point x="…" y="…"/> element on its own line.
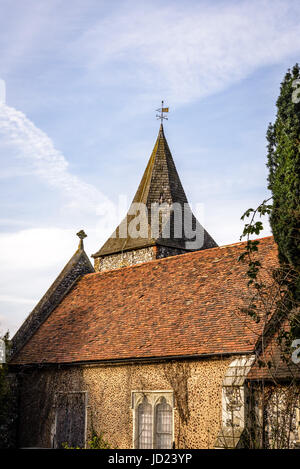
<point x="284" y="176"/>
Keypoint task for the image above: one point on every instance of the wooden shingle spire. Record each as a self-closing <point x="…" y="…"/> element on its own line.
<point x="160" y="184"/>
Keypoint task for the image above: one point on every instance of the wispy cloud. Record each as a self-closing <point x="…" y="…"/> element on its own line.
<point x="22" y="27"/>
<point x="32" y="144"/>
<point x="192" y="50"/>
<point x="31" y="258"/>
<point x="123" y="55"/>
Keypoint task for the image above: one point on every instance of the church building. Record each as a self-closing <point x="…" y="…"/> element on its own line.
<point x="149" y="347"/>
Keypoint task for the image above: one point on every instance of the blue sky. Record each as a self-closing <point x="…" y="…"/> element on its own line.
<point x="83" y="79"/>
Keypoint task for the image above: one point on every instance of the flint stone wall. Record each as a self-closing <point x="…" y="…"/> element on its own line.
<point x="137" y="256"/>
<point x="197" y="388"/>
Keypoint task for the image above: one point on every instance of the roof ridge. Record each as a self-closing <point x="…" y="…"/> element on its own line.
<point x="78" y="265"/>
<point x="169" y="258"/>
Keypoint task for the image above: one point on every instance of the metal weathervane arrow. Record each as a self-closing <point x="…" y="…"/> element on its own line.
<point x="162" y="110"/>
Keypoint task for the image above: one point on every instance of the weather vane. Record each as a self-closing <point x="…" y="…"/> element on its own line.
<point x="161" y="110"/>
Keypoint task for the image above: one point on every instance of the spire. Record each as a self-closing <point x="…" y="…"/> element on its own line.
<point x="160" y="184"/>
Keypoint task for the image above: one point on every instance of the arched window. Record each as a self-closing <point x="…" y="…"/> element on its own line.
<point x="153" y="419"/>
<point x="163" y="425"/>
<point x="145" y="440"/>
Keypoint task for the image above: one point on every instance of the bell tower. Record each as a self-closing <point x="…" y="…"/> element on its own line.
<point x="160" y="195"/>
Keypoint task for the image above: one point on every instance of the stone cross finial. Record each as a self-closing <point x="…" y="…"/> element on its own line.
<point x="81" y="235"/>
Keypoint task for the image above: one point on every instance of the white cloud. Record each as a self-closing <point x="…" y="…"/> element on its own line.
<point x="37" y="248"/>
<point x="13" y="299"/>
<point x="31" y="260"/>
<point x="32" y="144"/>
<point x="192" y="50"/>
<point x="180" y="50"/>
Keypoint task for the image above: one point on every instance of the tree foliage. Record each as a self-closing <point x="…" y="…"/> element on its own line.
<point x="7" y="405"/>
<point x="283" y="162"/>
<point x="97" y="441"/>
<point x="284" y="175"/>
<point x="276" y="301"/>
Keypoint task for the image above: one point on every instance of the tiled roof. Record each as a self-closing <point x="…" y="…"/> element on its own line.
<point x="78" y="265"/>
<point x="160" y="184"/>
<point x="177" y="306"/>
<point x="275" y="361"/>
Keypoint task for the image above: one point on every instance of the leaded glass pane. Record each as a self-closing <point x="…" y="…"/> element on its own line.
<point x="164" y="422"/>
<point x="145" y="425"/>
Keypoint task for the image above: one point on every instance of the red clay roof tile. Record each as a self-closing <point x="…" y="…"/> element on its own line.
<point x="180" y="305"/>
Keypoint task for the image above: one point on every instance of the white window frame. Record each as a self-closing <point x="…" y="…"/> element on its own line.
<point x="154" y="398"/>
